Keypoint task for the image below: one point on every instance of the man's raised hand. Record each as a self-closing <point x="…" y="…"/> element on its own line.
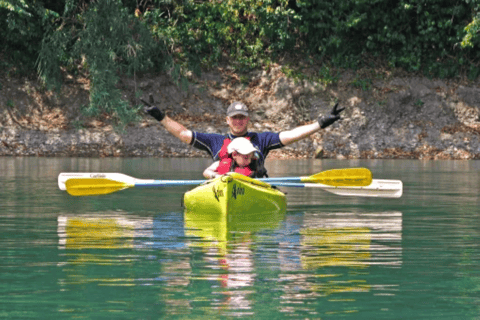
<point x="153" y="110"/>
<point x="325" y="121"/>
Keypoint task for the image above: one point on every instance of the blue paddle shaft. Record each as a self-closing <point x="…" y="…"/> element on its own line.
<point x="167" y="183"/>
<point x="287" y="184"/>
<point x="269" y="180"/>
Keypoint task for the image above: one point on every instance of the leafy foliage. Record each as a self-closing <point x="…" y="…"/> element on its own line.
<point x="243" y="32"/>
<point x="105" y="38"/>
<point x="418" y="35"/>
<point x="23" y="24"/>
<point x="472" y="30"/>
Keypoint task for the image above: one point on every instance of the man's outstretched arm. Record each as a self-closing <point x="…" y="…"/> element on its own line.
<point x="299" y="133"/>
<point x="172" y="126"/>
<point x="177" y="130"/>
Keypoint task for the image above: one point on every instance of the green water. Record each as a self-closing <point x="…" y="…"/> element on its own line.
<point x="129" y="255"/>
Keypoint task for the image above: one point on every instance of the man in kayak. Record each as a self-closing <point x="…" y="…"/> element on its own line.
<point x="237" y="120"/>
<point x="242" y="158"/>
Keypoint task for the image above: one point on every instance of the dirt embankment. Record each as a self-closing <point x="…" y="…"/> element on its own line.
<point x="386" y="116"/>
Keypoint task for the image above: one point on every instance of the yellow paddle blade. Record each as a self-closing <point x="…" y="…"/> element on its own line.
<point x="94" y="186"/>
<point x="350" y="177"/>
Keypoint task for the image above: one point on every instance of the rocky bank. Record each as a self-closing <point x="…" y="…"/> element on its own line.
<point x="387" y="115"/>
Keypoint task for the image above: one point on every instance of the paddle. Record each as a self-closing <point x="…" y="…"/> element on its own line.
<point x="335" y="177"/>
<point x="86" y="184"/>
<point x="98" y="186"/>
<point x="380" y="188"/>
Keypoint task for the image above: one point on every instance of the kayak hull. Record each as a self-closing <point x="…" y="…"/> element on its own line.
<point x="234" y="194"/>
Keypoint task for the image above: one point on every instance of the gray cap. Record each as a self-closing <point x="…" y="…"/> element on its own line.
<point x="237" y="108"/>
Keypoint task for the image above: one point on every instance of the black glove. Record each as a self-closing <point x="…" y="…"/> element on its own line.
<point x="152" y="110"/>
<point x="325" y="121"/>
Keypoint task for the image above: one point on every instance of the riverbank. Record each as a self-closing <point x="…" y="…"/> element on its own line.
<point x="388" y="115"/>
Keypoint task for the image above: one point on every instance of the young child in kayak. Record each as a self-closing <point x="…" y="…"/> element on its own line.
<point x="242" y="156"/>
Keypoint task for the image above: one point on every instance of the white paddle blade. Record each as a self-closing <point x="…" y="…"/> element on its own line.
<point x="378" y="188"/>
<point x="64" y="176"/>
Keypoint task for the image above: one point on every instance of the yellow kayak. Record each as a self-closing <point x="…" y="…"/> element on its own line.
<point x="234" y="194"/>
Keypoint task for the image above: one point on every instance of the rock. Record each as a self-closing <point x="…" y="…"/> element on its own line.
<point x="319" y="153"/>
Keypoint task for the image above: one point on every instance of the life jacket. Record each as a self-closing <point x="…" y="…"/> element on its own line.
<point x="227" y="164"/>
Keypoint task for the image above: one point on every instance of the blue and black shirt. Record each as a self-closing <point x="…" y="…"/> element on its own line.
<point x="212" y="142"/>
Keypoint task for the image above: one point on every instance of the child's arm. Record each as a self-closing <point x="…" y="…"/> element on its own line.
<point x="210" y="173"/>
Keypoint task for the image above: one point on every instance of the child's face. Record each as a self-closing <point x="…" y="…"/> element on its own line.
<point x="242" y="160"/>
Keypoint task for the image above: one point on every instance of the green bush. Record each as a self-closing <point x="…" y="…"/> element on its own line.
<point x="23" y="24"/>
<point x="418" y="35"/>
<point x="244" y="33"/>
<point x="105" y="41"/>
<point x="106" y="38"/>
<point x="471" y="41"/>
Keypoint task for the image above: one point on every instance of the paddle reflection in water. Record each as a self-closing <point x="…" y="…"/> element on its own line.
<point x="308" y="255"/>
<point x="107" y="252"/>
<point x="117" y="231"/>
<point x="115" y="239"/>
<point x="352" y="239"/>
<point x="296" y="262"/>
<point x="334" y="260"/>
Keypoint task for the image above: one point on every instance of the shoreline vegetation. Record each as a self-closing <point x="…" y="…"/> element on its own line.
<point x="73" y="73"/>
